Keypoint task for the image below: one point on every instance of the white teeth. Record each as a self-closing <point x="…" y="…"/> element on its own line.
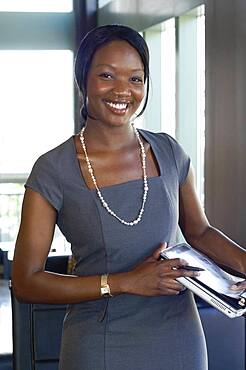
<point x="119" y="106"/>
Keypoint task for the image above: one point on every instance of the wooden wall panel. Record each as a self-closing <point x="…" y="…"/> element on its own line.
<point x="225" y="164"/>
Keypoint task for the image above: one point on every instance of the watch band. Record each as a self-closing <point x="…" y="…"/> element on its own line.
<point x="105" y="288"/>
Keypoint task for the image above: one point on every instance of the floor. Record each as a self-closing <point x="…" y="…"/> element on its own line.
<point x="6" y="345"/>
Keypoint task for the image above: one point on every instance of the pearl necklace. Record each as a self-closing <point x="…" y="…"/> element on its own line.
<point x="145" y="183"/>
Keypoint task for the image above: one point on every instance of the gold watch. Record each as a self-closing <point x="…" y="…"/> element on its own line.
<point x="105" y="288"/>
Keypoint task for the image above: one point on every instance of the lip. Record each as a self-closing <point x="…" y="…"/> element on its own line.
<point x="119" y="107"/>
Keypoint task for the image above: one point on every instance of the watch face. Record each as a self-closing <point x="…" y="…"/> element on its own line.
<point x="104" y="291"/>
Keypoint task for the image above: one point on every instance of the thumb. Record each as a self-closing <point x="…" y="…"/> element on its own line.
<point x="160" y="249"/>
<point x="239" y="286"/>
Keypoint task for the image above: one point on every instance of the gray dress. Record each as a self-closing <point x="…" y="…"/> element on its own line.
<point x="127" y="332"/>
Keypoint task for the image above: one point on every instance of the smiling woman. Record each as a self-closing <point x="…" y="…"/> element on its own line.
<point x="117" y="194"/>
<point x="116" y="86"/>
<point x="132" y="62"/>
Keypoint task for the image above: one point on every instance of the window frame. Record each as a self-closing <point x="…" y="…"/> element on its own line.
<point x="35" y="31"/>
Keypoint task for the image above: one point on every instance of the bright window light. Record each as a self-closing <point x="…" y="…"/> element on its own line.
<point x="36" y="6"/>
<point x="37" y="106"/>
<point x="102" y="3"/>
<point x="168" y="79"/>
<point x="11" y="196"/>
<point x="201" y="101"/>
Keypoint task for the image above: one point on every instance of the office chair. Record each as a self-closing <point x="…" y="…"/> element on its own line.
<point x="37" y="329"/>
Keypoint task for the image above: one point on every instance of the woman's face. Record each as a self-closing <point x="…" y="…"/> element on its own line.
<point x="115" y="84"/>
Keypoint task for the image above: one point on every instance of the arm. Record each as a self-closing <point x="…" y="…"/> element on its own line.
<point x="204" y="237"/>
<point x="32" y="284"/>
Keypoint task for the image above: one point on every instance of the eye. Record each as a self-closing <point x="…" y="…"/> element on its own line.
<point x="106" y="76"/>
<point x="137" y="79"/>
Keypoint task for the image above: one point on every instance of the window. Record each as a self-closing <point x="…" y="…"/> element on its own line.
<point x="177" y="99"/>
<point x="36" y="94"/>
<point x="36" y="5"/>
<point x="102" y="3"/>
<point x="168" y="77"/>
<point x="200" y="101"/>
<point x="37" y="113"/>
<point x="11" y="196"/>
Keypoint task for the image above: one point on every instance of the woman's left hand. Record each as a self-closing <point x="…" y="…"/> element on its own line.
<point x="239" y="286"/>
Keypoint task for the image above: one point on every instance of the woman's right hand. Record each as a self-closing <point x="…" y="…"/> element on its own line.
<point x="154" y="277"/>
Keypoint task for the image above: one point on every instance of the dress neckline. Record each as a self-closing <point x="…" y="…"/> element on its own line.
<point x="129" y="182"/>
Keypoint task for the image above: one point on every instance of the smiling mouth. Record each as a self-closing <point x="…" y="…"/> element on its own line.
<point x="118" y="107"/>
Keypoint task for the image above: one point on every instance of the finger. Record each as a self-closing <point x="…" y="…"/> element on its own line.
<point x="158" y="251"/>
<point x="173" y="263"/>
<point x="170" y="288"/>
<point x="170" y="284"/>
<point x="168" y="271"/>
<point x="239" y="286"/>
<point x="185" y="273"/>
<point x="170" y="292"/>
<point x="179" y="262"/>
<point x="167" y="291"/>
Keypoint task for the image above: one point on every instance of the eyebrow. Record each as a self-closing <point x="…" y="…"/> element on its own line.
<point x="110" y="66"/>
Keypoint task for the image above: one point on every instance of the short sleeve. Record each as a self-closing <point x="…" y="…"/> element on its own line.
<point x="182" y="160"/>
<point x="45" y="180"/>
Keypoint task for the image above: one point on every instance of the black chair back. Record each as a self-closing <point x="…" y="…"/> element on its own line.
<point x="37" y="328"/>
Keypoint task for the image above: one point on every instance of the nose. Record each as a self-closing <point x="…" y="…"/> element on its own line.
<point x="121" y="89"/>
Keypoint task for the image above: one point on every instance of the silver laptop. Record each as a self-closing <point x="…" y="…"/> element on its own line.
<point x="213" y="284"/>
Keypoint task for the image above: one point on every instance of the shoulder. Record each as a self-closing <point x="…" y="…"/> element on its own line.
<point x="171" y="150"/>
<point x="58" y="153"/>
<point x="56" y="159"/>
<point x="161" y="138"/>
<point x="156" y="136"/>
<point x="47" y="173"/>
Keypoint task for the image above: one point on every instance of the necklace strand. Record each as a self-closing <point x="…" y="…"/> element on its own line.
<point x="145" y="182"/>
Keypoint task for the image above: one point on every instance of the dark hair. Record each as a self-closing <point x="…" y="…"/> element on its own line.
<point x="97" y="38"/>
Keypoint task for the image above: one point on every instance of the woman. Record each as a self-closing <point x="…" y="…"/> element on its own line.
<point x="117" y="194"/>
